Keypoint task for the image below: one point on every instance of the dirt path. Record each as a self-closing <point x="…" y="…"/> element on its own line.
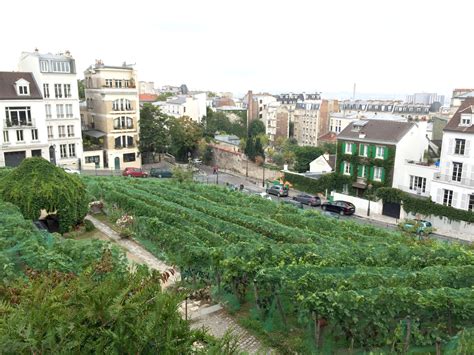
<point x="212" y="317"/>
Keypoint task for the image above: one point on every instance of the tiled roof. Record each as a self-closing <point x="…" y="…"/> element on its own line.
<point x="147" y="97"/>
<point x="7" y="86"/>
<point x="453" y="124"/>
<point x="377" y="130"/>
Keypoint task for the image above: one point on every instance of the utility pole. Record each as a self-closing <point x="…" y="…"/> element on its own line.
<point x="263" y="176"/>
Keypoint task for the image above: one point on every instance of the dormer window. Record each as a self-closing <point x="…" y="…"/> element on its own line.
<point x="466" y="120"/>
<point x="22" y="87"/>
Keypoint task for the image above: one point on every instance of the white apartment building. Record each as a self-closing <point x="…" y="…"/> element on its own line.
<point x="111" y="117"/>
<point x="56" y="77"/>
<point x="22" y="119"/>
<point x="276" y="118"/>
<point x="454" y="184"/>
<point x="194" y="106"/>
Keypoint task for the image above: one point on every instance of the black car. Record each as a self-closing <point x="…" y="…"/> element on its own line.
<point x="277" y="190"/>
<point x="341" y="207"/>
<point x="308" y="199"/>
<point x="160" y="173"/>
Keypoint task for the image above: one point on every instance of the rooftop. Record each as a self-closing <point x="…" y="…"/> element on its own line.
<point x="453" y="125"/>
<point x="7" y="86"/>
<point x="377" y="130"/>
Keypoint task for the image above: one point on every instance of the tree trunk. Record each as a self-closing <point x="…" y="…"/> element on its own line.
<point x="317" y="330"/>
<point x="408" y="335"/>
<point x="438" y="346"/>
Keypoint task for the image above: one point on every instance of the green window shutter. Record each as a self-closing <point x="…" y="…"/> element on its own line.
<point x="373" y="151"/>
<point x="371" y="176"/>
<point x="343" y="145"/>
<point x="359" y="170"/>
<point x="382" y="177"/>
<point x="342" y="167"/>
<point x="354" y="148"/>
<point x="385" y="153"/>
<point x="351" y="167"/>
<point x="360" y="149"/>
<point x="364" y="170"/>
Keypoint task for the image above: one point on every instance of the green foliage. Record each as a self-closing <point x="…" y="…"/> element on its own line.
<point x="185" y="135"/>
<point x="304" y="156"/>
<point x="182" y="175"/>
<point x="250" y="150"/>
<point x="256" y="128"/>
<point x="289" y="267"/>
<point x="423" y="206"/>
<point x="81" y="89"/>
<point x="327" y="182"/>
<point x="208" y="155"/>
<point x="88" y="225"/>
<point x="220" y="122"/>
<point x="462" y="343"/>
<point x="163" y="96"/>
<point x="37" y="184"/>
<point x="154" y="130"/>
<point x="259" y="148"/>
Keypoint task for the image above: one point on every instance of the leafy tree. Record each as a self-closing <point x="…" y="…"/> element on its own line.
<point x="208" y="155"/>
<point x="182" y="175"/>
<point x="259" y="148"/>
<point x="250" y="150"/>
<point x="37" y="184"/>
<point x="154" y="133"/>
<point x="185" y="135"/>
<point x="304" y="156"/>
<point x="256" y="128"/>
<point x="278" y="159"/>
<point x="163" y="96"/>
<point x="81" y="89"/>
<point x="220" y="122"/>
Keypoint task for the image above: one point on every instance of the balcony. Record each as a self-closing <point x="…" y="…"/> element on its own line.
<point x="117" y="146"/>
<point x="449" y="179"/>
<point x="19" y="123"/>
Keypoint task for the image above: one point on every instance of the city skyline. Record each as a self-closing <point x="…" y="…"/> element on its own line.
<point x="266" y="46"/>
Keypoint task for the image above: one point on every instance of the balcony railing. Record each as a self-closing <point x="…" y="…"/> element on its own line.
<point x="449" y="178"/>
<point x="420" y="163"/>
<point x="9" y="123"/>
<point x="123" y="127"/>
<point x="124" y="147"/>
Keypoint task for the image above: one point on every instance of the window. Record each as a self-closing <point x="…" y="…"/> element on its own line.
<point x="48" y="110"/>
<point x="121" y="105"/>
<point x="108" y="83"/>
<point x="46" y="90"/>
<point x="50" y="132"/>
<point x="378" y="173"/>
<point x="379" y="152"/>
<point x="6" y="138"/>
<point x="128" y="157"/>
<point x="347" y="168"/>
<point x="417" y="184"/>
<point x="62" y="149"/>
<point x="460" y="146"/>
<point x="18" y="116"/>
<point x="362" y="171"/>
<point x="19" y="135"/>
<point x="348" y="149"/>
<point x="363" y="150"/>
<point x="118" y="83"/>
<point x="123" y="142"/>
<point x="58" y="93"/>
<point x="23" y="90"/>
<point x="69" y="110"/>
<point x="67" y="90"/>
<point x="34" y="134"/>
<point x="62" y="131"/>
<point x="126" y="83"/>
<point x="93" y="160"/>
<point x="457" y="171"/>
<point x="345" y="189"/>
<point x="123" y="123"/>
<point x="70" y="131"/>
<point x="60" y="111"/>
<point x="466" y="119"/>
<point x="44" y="65"/>
<point x="470" y="206"/>
<point x="72" y="150"/>
<point x="61" y="67"/>
<point x="448" y="197"/>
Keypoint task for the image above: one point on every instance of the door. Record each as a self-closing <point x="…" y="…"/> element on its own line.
<point x="117" y="163"/>
<point x="391" y="209"/>
<point x="13" y="159"/>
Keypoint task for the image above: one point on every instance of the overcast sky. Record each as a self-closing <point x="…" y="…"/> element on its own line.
<point x="384" y="46"/>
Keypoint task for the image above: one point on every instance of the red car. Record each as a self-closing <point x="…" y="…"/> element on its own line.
<point x="134" y="172"/>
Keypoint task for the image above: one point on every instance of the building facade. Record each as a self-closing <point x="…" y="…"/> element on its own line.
<point x="311" y="121"/>
<point x="193" y="106"/>
<point x="453" y="185"/>
<point x="56" y="77"/>
<point x="22" y="119"/>
<point x="111" y="117"/>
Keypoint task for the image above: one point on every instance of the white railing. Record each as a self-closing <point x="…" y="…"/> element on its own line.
<point x="449" y="178"/>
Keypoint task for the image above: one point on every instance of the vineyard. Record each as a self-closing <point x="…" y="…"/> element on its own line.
<point x="306" y="280"/>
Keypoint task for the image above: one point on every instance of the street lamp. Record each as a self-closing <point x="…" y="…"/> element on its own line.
<point x="369" y="189"/>
<point x="263" y="176"/>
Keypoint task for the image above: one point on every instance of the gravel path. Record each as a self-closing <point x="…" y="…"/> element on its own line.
<point x="212" y="317"/>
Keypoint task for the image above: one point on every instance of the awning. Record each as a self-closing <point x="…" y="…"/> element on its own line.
<point x="94" y="133"/>
<point x="359" y="185"/>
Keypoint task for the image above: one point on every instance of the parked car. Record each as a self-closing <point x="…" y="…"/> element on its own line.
<point x="71" y="171"/>
<point x="416" y="226"/>
<point x="278" y="190"/>
<point x="135" y="172"/>
<point x="160" y="173"/>
<point x="295" y="203"/>
<point x="341" y="207"/>
<point x="308" y="199"/>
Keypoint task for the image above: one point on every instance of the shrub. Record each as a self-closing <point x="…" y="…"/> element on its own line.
<point x="89" y="225"/>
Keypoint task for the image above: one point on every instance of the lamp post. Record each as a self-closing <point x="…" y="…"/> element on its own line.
<point x="369" y="189"/>
<point x="263" y="171"/>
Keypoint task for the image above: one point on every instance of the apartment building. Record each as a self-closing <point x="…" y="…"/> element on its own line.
<point x="311" y="120"/>
<point x="22" y="119"/>
<point x="111" y="117"/>
<point x="276" y="118"/>
<point x="193" y="106"/>
<point x="56" y="77"/>
<point x="453" y="185"/>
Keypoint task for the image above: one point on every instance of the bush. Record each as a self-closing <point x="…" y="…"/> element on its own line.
<point x="89" y="225"/>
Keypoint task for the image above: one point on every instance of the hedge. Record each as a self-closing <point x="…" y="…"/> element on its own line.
<point x="327" y="182"/>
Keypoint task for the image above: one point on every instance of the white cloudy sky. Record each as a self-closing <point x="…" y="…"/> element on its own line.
<point x="384" y="46"/>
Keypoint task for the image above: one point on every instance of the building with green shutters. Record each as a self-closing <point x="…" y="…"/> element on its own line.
<point x="374" y="153"/>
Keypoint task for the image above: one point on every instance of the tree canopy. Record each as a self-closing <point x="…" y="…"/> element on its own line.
<point x="185" y="135"/>
<point x="220" y="122"/>
<point x="37" y="184"/>
<point x="154" y="135"/>
<point x="256" y="127"/>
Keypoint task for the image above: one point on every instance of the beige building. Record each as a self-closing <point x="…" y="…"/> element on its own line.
<point x="110" y="117"/>
<point x="311" y="120"/>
